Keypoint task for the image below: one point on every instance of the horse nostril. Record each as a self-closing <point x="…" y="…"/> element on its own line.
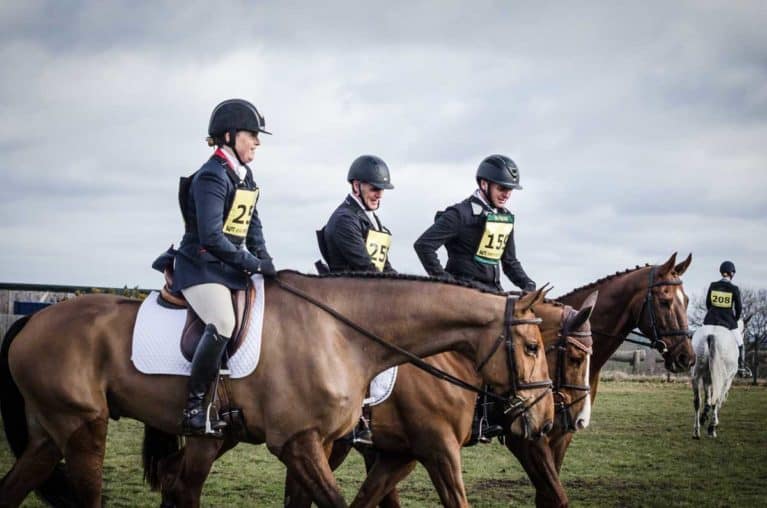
<point x="547" y="426"/>
<point x="580" y="424"/>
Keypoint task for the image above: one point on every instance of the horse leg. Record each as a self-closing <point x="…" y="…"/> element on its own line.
<point x="714" y="420"/>
<point x="445" y="472"/>
<point x="307" y="461"/>
<point x="542" y="467"/>
<point x="31" y="469"/>
<point x="84" y="456"/>
<point x="196" y="459"/>
<point x="295" y="496"/>
<point x="696" y="405"/>
<point x="385" y="470"/>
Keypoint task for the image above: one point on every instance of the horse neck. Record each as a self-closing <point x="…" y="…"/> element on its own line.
<point x="613" y="318"/>
<point x="425" y="318"/>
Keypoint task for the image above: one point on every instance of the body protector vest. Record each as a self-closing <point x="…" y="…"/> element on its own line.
<point x="723" y="304"/>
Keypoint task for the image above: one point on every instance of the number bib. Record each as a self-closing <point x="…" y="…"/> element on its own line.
<point x="497" y="231"/>
<point x="721" y="299"/>
<point x="238" y="220"/>
<point x="377" y="244"/>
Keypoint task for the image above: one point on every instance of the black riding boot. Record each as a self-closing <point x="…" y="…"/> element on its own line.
<point x="205" y="366"/>
<point x="740" y="357"/>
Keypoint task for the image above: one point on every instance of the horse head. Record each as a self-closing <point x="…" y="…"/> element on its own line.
<point x="569" y="356"/>
<point x="529" y="411"/>
<point x="663" y="314"/>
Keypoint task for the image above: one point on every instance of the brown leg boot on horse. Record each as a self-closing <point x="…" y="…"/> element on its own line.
<point x="200" y="420"/>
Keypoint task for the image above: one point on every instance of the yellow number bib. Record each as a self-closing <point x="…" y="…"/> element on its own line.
<point x="497" y="231"/>
<point x="377" y="244"/>
<point x="721" y="299"/>
<point x="238" y="220"/>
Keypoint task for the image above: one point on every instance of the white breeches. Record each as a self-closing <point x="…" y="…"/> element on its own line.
<point x="213" y="303"/>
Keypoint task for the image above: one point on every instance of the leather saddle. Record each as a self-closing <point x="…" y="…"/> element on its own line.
<point x="242" y="301"/>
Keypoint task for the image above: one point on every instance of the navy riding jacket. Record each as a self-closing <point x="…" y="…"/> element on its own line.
<point x="723" y="304"/>
<point x="342" y="240"/>
<point x="207" y="253"/>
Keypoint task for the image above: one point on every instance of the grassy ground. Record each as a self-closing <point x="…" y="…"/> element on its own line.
<point x="637" y="452"/>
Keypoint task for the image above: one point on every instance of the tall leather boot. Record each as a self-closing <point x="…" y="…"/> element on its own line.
<point x="205" y="366"/>
<point x="740" y="361"/>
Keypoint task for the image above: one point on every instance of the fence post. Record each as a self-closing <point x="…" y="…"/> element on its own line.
<point x="755" y="371"/>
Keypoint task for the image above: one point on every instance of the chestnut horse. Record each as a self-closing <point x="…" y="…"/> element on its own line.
<point x="427" y="420"/>
<point x="650" y="298"/>
<point x="67" y="369"/>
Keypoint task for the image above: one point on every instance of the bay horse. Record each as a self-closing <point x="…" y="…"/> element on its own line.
<point x="716" y="363"/>
<point x="66" y="369"/>
<point x="649" y="298"/>
<point x="427" y="420"/>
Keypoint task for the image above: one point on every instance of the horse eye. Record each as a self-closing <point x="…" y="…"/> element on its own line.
<point x="531" y="348"/>
<point x="575" y="360"/>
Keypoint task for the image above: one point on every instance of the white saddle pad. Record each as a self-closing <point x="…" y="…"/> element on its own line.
<point x="157" y="335"/>
<point x="381" y="387"/>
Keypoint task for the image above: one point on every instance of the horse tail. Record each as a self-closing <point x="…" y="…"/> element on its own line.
<point x="56" y="490"/>
<point x="11" y="400"/>
<point x="157" y="446"/>
<point x="716" y="369"/>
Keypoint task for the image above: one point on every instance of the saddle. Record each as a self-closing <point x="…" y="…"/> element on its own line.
<point x="242" y="301"/>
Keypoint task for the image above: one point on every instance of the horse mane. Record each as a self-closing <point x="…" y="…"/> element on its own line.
<point x="605" y="279"/>
<point x="413" y="277"/>
<point x="393" y="276"/>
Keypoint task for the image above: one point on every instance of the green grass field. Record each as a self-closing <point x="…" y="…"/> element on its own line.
<point x="637" y="452"/>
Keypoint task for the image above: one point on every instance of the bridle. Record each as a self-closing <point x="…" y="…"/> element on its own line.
<point x="655" y="340"/>
<point x="513" y="403"/>
<point x="565" y="337"/>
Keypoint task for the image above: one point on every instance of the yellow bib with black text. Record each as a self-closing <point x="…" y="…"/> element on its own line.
<point x="377" y="244"/>
<point x="497" y="231"/>
<point x="721" y="299"/>
<point x="238" y="220"/>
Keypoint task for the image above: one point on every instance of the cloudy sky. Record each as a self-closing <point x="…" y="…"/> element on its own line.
<point x="640" y="128"/>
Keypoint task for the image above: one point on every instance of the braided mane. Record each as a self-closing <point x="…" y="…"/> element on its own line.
<point x="605" y="279"/>
<point x="413" y="277"/>
<point x="393" y="276"/>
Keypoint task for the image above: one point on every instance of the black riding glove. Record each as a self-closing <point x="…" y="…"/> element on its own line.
<point x="266" y="268"/>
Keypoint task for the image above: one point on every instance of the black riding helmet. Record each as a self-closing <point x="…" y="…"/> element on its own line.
<point x="499" y="169"/>
<point x="727" y="267"/>
<point x="235" y="115"/>
<point x="370" y="169"/>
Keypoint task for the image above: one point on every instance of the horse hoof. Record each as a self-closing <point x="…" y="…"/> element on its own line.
<point x="696" y="436"/>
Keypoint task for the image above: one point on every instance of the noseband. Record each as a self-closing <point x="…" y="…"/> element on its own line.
<point x="513" y="402"/>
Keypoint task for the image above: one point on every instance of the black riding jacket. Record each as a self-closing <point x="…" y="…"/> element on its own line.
<point x="460" y="228"/>
<point x="723" y="304"/>
<point x="342" y="240"/>
<point x="207" y="253"/>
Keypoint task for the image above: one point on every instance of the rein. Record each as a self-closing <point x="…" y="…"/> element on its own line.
<point x="514" y="402"/>
<point x="655" y="340"/>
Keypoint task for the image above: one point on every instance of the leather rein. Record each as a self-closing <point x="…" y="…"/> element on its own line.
<point x="512" y="403"/>
<point x="655" y="340"/>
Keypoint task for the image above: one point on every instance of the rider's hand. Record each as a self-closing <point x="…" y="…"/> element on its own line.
<point x="266" y="268"/>
<point x="530" y="286"/>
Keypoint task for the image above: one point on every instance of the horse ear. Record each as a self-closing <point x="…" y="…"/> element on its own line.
<point x="682" y="267"/>
<point x="532" y="298"/>
<point x="580" y="318"/>
<point x="590" y="301"/>
<point x="667" y="266"/>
